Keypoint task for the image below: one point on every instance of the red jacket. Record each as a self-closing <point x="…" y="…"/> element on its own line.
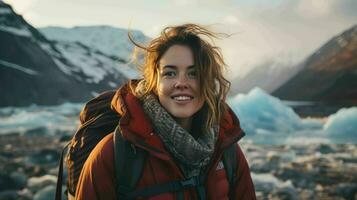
<point x="97" y="177"/>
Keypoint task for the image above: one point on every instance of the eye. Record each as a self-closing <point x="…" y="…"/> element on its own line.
<point x="192" y="74"/>
<point x="169" y="74"/>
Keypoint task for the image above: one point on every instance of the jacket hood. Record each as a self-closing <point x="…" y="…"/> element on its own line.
<point x="136" y="126"/>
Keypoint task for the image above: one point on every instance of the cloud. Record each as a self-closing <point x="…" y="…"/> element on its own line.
<point x="205" y="3"/>
<point x="315" y="8"/>
<point x="230" y="19"/>
<point x="21" y="6"/>
<point x="287" y="32"/>
<point x="326" y="8"/>
<point x="184" y="2"/>
<point x="347" y="8"/>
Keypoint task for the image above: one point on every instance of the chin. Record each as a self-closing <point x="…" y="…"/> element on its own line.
<point x="182" y="115"/>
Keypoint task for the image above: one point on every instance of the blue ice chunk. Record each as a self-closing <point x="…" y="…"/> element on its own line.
<point x="342" y="123"/>
<point x="260" y="112"/>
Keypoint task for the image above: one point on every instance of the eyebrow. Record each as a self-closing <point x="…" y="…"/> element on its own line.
<point x="175" y="67"/>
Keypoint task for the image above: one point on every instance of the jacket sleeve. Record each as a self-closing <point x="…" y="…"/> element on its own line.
<point x="244" y="187"/>
<point x="97" y="176"/>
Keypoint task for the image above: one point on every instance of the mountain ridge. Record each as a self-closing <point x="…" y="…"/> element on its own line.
<point x="37" y="70"/>
<point x="329" y="74"/>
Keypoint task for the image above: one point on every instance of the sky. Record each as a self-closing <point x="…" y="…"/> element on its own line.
<point x="284" y="32"/>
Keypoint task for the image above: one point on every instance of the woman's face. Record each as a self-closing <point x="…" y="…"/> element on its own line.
<point x="178" y="85"/>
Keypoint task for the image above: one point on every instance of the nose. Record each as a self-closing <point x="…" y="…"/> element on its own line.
<point x="182" y="83"/>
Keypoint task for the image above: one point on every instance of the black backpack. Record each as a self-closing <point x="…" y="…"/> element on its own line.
<point x="97" y="117"/>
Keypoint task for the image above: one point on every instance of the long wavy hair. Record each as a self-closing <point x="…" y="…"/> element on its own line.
<point x="208" y="60"/>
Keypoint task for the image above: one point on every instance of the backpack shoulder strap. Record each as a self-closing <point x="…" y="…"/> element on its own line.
<point x="60" y="175"/>
<point x="129" y="164"/>
<point x="230" y="163"/>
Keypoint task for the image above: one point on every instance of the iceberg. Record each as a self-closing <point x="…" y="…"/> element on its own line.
<point x="261" y="113"/>
<point x="342" y="125"/>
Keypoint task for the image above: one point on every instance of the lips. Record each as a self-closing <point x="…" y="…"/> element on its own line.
<point x="182" y="97"/>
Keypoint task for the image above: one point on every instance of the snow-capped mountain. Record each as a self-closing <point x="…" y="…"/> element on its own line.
<point x="106" y="39"/>
<point x="110" y="42"/>
<point x="38" y="69"/>
<point x="329" y="74"/>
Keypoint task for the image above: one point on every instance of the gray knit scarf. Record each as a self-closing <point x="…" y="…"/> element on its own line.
<point x="191" y="154"/>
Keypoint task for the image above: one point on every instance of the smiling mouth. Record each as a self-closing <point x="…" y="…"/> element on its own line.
<point x="182" y="98"/>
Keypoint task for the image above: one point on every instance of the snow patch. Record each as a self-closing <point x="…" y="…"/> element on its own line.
<point x="94" y="93"/>
<point x="46" y="47"/>
<point x="341" y="41"/>
<point x="18" y="67"/>
<point x="112" y="84"/>
<point x="128" y="71"/>
<point x="23" y="32"/>
<point x="64" y="68"/>
<point x="5" y="11"/>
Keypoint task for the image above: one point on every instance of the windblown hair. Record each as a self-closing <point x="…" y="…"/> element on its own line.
<point x="208" y="61"/>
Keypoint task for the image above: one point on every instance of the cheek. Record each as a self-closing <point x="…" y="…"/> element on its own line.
<point x="163" y="88"/>
<point x="162" y="94"/>
<point x="195" y="86"/>
<point x="159" y="90"/>
<point x="200" y="103"/>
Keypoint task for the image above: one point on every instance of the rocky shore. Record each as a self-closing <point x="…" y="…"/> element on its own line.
<point x="28" y="166"/>
<point x="29" y="163"/>
<point x="306" y="171"/>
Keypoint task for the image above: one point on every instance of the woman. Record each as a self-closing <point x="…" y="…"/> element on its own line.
<point x="178" y="115"/>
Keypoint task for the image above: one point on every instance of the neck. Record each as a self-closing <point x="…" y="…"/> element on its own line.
<point x="185" y="123"/>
